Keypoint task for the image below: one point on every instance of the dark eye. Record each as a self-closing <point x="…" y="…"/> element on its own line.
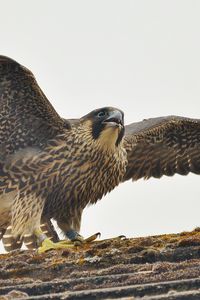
<point x="101" y="114"/>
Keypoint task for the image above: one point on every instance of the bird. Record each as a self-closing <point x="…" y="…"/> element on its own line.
<point x="48" y="165"/>
<point x="52" y="168"/>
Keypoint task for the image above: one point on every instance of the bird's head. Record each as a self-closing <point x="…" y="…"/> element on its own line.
<point x="106" y="126"/>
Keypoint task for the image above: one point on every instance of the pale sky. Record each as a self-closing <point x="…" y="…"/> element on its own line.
<point x="141" y="56"/>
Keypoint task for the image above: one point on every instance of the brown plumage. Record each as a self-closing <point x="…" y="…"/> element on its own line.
<point x="55" y="167"/>
<point x="48" y="165"/>
<point x="162" y="146"/>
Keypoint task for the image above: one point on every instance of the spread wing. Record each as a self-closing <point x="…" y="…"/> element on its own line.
<point x="162" y="146"/>
<point x="27" y="119"/>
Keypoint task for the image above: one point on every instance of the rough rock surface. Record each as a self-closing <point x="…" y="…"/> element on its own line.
<point x="156" y="267"/>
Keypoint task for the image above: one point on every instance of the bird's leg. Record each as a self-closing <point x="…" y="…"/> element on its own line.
<point x="46" y="244"/>
<point x="71" y="229"/>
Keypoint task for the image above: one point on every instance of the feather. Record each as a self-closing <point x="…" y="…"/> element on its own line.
<point x="162" y="146"/>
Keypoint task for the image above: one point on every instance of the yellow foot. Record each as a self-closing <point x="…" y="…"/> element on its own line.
<point x="79" y="240"/>
<point x="47" y="245"/>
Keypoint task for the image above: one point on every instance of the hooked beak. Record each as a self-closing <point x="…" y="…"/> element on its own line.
<point x="115" y="119"/>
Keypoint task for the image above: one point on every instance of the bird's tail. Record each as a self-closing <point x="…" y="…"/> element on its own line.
<point x="10" y="243"/>
<point x="2" y="231"/>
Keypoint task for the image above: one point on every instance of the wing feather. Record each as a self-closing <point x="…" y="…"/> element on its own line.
<point x="162" y="146"/>
<point x="26" y="116"/>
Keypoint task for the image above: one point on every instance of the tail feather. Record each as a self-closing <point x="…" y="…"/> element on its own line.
<point x="2" y="231"/>
<point x="48" y="228"/>
<point x="10" y="243"/>
<point x="30" y="241"/>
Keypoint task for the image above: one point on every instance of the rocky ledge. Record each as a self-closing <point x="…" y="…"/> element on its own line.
<point x="156" y="267"/>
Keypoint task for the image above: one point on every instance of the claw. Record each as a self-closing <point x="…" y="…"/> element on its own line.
<point x="122" y="237"/>
<point x="75" y="237"/>
<point x="80" y="240"/>
<point x="92" y="237"/>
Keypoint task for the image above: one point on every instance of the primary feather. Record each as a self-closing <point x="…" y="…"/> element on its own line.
<point x="162" y="146"/>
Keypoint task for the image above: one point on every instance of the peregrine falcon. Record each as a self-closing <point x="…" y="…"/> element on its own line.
<point x="53" y="168"/>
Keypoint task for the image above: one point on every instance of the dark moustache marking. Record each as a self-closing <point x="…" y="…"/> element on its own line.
<point x="120" y="136"/>
<point x="97" y="128"/>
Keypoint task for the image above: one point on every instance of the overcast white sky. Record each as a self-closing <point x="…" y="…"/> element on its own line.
<point x="141" y="56"/>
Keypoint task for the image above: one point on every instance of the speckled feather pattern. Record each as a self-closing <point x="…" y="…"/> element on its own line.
<point x="54" y="167"/>
<point x="162" y="146"/>
<point x="70" y="173"/>
<point x="26" y="116"/>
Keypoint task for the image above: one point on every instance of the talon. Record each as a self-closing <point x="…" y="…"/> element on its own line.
<point x="78" y="240"/>
<point x="92" y="237"/>
<point x="122" y="237"/>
